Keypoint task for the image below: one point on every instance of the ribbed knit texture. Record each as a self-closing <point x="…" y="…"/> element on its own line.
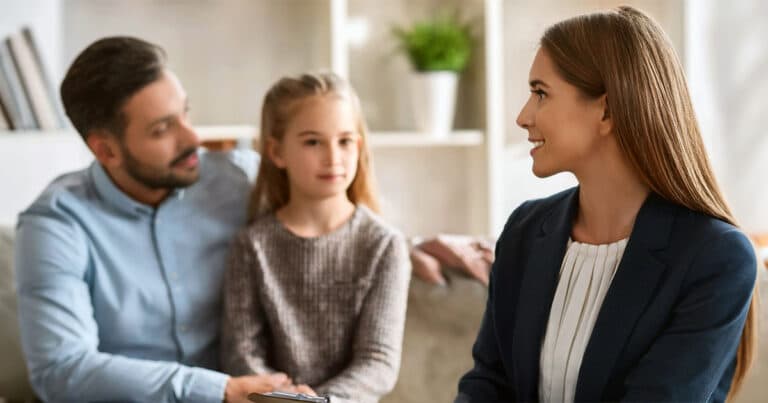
<point x="328" y="311"/>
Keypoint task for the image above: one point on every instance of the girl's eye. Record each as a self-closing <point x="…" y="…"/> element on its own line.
<point x="539" y="93"/>
<point x="345" y="141"/>
<point x="311" y="142"/>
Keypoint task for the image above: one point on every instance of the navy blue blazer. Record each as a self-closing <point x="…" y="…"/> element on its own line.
<point x="668" y="328"/>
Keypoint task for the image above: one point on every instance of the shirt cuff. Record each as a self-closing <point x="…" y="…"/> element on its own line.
<point x="207" y="386"/>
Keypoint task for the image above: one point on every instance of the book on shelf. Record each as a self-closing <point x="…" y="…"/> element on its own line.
<point x="4" y="123"/>
<point x="12" y="93"/>
<point x="32" y="81"/>
<point x="42" y="68"/>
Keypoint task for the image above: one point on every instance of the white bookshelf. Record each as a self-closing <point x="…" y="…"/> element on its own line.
<point x="458" y="171"/>
<point x="247" y="134"/>
<point x="377" y="139"/>
<point x="398" y="139"/>
<point x="467" y="182"/>
<point x="451" y="179"/>
<point x="237" y="132"/>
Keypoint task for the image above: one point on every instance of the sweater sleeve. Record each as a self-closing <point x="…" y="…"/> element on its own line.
<point x="378" y="339"/>
<point x="244" y="336"/>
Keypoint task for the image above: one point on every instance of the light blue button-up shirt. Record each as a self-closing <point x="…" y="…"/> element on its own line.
<point x="120" y="301"/>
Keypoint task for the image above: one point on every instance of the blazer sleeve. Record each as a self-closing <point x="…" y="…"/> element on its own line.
<point x="697" y="347"/>
<point x="487" y="381"/>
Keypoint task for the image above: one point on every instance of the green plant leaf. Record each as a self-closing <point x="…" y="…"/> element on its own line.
<point x="439" y="44"/>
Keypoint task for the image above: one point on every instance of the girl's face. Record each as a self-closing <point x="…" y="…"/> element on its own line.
<point x="320" y="147"/>
<point x="567" y="129"/>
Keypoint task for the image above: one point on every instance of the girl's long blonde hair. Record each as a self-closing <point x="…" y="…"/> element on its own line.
<point x="271" y="191"/>
<point x="624" y="54"/>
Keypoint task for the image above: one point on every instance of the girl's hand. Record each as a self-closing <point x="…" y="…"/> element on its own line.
<point x="305" y="389"/>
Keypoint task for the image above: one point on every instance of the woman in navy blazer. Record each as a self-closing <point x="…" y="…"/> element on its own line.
<point x="609" y="103"/>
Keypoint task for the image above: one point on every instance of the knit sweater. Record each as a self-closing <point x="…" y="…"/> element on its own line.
<point x="329" y="311"/>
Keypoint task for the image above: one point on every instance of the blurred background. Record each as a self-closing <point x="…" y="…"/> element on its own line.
<point x="463" y="181"/>
<point x="228" y="52"/>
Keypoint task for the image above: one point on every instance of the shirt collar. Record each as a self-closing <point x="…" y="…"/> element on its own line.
<point x="118" y="199"/>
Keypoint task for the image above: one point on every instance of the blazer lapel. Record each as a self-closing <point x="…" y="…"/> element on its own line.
<point x="537" y="289"/>
<point x="632" y="288"/>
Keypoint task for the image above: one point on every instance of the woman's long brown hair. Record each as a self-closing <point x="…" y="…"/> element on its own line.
<point x="625" y="55"/>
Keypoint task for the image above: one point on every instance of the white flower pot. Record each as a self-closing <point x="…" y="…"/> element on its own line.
<point x="434" y="101"/>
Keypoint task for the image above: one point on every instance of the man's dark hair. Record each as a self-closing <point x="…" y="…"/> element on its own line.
<point x="102" y="79"/>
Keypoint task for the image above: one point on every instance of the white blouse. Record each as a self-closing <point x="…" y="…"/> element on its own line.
<point x="585" y="276"/>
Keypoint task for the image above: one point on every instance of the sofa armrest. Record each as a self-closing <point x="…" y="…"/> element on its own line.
<point x="14" y="384"/>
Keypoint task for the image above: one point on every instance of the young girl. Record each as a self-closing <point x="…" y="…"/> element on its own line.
<point x="317" y="283"/>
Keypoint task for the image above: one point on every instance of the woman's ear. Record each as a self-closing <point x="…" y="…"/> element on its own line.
<point x="274" y="152"/>
<point x="105" y="148"/>
<point x="606" y="123"/>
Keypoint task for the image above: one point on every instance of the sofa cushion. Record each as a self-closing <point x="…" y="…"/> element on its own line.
<point x="440" y="327"/>
<point x="13" y="373"/>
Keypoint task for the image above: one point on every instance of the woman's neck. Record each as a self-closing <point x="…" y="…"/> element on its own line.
<point x="609" y="200"/>
<point x="313" y="218"/>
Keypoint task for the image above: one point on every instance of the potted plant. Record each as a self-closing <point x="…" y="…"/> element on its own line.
<point x="438" y="49"/>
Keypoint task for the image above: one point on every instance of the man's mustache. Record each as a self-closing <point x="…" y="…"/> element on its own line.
<point x="184" y="155"/>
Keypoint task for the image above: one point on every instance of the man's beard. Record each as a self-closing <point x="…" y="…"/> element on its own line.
<point x="155" y="178"/>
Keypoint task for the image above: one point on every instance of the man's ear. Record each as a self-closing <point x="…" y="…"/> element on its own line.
<point x="606" y="123"/>
<point x="274" y="152"/>
<point x="104" y="147"/>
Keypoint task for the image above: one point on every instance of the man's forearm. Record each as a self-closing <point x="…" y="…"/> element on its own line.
<point x="100" y="376"/>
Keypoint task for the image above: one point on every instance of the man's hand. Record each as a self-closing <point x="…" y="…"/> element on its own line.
<point x="238" y="388"/>
<point x="468" y="255"/>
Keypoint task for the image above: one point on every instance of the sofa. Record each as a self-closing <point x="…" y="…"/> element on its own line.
<point x="13" y="380"/>
<point x="441" y="325"/>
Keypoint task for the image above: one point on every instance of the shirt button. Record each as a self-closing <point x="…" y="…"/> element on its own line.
<point x="174" y="276"/>
<point x="183" y="329"/>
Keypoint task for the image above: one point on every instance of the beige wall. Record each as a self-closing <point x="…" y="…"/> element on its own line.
<point x="226" y="53"/>
<point x="728" y="67"/>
